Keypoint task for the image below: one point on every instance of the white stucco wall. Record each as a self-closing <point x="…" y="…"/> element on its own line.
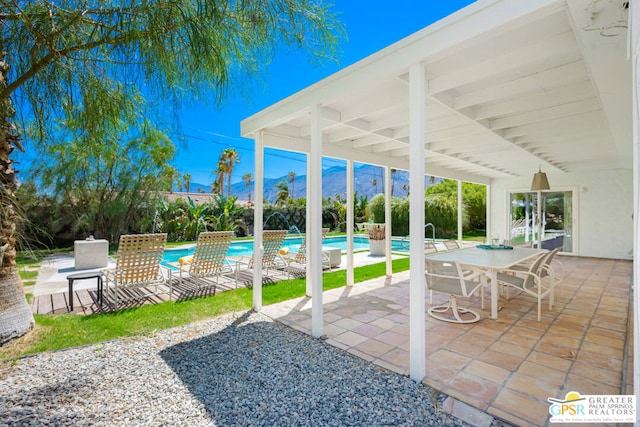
<point x="603" y="216"/>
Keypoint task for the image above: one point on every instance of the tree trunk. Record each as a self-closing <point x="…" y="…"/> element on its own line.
<point x="16" y="318"/>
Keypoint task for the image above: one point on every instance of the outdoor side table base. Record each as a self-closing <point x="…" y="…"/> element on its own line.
<point x="83" y="276"/>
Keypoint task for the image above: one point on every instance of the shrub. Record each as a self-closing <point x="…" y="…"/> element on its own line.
<point x="375" y="208"/>
<point x="400" y="216"/>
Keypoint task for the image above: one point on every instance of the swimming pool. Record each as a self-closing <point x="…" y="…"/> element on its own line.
<point x="245" y="247"/>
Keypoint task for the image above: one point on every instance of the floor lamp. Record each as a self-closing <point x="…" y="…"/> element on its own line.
<point x="540" y="182"/>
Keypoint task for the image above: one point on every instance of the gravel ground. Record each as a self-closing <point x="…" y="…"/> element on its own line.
<point x="235" y="370"/>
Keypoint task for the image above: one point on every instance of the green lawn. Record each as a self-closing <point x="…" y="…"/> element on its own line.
<point x="54" y="332"/>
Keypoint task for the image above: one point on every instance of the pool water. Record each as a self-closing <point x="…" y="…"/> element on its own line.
<point x="245" y="247"/>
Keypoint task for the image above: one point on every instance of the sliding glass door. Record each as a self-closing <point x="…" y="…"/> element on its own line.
<point x="555" y="224"/>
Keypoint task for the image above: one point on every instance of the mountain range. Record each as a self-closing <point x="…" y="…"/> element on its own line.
<point x="333" y="184"/>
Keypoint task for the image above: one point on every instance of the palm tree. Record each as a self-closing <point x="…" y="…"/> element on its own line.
<point x="186" y="178"/>
<point x="172" y="174"/>
<point x="393" y="178"/>
<point x="247" y="178"/>
<point x="292" y="177"/>
<point x="90" y="61"/>
<point x="218" y="184"/>
<point x="283" y="193"/>
<point x="230" y="158"/>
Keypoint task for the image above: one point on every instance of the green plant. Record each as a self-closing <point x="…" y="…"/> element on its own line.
<point x="400" y="216"/>
<point x="376" y="208"/>
<point x="196" y="218"/>
<point x="283" y="193"/>
<point x="225" y="214"/>
<point x="441" y="212"/>
<point x="360" y="207"/>
<point x="174" y="217"/>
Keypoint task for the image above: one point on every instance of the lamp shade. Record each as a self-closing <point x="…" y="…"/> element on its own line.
<point x="540" y="181"/>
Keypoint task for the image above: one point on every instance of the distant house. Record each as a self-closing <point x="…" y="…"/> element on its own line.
<point x="198" y="198"/>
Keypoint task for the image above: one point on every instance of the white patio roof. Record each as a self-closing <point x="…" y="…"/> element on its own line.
<point x="511" y="85"/>
<point x="508" y="85"/>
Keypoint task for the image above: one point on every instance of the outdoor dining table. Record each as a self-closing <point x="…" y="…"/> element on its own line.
<point x="489" y="260"/>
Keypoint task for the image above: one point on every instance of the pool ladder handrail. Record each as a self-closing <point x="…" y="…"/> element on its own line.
<point x="433" y="235"/>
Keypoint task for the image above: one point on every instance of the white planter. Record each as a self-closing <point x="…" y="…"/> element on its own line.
<point x="377" y="247"/>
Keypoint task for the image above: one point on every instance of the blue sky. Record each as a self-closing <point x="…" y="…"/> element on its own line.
<point x="370" y="24"/>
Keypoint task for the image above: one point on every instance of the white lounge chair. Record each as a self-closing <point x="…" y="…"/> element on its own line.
<point x="271" y="258"/>
<point x="138" y="273"/>
<point x="300" y="257"/>
<point x="209" y="257"/>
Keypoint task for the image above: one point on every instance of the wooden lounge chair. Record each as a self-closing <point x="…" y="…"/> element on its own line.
<point x="138" y="273"/>
<point x="209" y="257"/>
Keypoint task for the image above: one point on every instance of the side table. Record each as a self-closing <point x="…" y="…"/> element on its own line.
<point x="82" y="276"/>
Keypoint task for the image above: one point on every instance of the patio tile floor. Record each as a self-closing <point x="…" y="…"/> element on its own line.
<point x="507" y="367"/>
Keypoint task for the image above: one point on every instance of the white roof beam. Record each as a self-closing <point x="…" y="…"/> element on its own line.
<point x="387" y="146"/>
<point x="566" y="110"/>
<point x="455" y="132"/>
<point x="569" y="93"/>
<point x="345" y="134"/>
<point x="367" y="141"/>
<point x="482" y="125"/>
<point x="288" y="130"/>
<point x="331" y="115"/>
<point x="537" y="82"/>
<point x="393" y="119"/>
<point x="517" y="59"/>
<point x="564" y="126"/>
<point x="390" y="102"/>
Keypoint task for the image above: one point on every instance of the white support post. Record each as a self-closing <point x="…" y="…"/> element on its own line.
<point x="488" y="212"/>
<point x="460" y="211"/>
<point x="257" y="221"/>
<point x="314" y="221"/>
<point x="417" y="345"/>
<point x="634" y="14"/>
<point x="309" y="276"/>
<point x="527" y="235"/>
<point x="387" y="219"/>
<point x="350" y="222"/>
<point x="539" y="219"/>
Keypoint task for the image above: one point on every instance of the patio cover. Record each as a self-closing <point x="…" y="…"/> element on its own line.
<point x="491" y="92"/>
